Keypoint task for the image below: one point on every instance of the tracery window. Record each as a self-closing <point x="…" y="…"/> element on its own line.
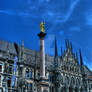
<point x="10" y="69"/>
<point x="9" y="82"/>
<point x="67" y="80"/>
<point x="77" y="82"/>
<point x="0" y="80"/>
<point x="38" y="75"/>
<point x="72" y="81"/>
<point x="29" y="86"/>
<point x="91" y="86"/>
<point x="30" y="74"/>
<point x="45" y="90"/>
<point x="27" y="73"/>
<point x="0" y="67"/>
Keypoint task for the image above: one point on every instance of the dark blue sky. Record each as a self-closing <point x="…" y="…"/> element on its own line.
<point x="65" y="19"/>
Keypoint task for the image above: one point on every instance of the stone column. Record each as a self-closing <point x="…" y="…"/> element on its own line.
<point x="43" y="84"/>
<point x="42" y="58"/>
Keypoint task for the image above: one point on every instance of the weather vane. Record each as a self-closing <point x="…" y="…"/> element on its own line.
<point x="42" y="27"/>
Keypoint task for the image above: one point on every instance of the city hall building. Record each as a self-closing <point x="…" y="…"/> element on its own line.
<point x="25" y="70"/>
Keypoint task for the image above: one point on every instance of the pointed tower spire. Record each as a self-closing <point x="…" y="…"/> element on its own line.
<point x="8" y="51"/>
<point x="81" y="60"/>
<point x="77" y="58"/>
<point x="66" y="43"/>
<point x="61" y="51"/>
<point x="22" y="43"/>
<point x="56" y="50"/>
<point x="71" y="45"/>
<point x="22" y="50"/>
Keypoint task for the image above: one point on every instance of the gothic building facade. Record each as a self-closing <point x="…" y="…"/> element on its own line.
<point x="20" y="70"/>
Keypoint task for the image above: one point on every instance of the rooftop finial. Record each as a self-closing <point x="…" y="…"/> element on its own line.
<point x="77" y="58"/>
<point x="56" y="50"/>
<point x="81" y="60"/>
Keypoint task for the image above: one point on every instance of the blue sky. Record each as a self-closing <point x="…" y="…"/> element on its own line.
<point x="65" y="19"/>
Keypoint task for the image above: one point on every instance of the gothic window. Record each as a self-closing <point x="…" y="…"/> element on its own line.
<point x="91" y="86"/>
<point x="49" y="78"/>
<point x="77" y="82"/>
<point x="45" y="90"/>
<point x="29" y="86"/>
<point x="30" y="74"/>
<point x="27" y="73"/>
<point x="10" y="69"/>
<point x="67" y="80"/>
<point x="9" y="82"/>
<point x="0" y="80"/>
<point x="38" y="75"/>
<point x="0" y="67"/>
<point x="72" y="81"/>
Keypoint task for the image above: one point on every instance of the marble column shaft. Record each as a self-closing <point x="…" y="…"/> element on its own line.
<point x="42" y="58"/>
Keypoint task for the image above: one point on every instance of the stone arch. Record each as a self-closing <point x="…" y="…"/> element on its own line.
<point x="62" y="79"/>
<point x="67" y="80"/>
<point x="77" y="82"/>
<point x="72" y="81"/>
<point x="70" y="89"/>
<point x="76" y="89"/>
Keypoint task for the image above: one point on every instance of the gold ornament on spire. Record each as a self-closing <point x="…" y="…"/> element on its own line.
<point x="42" y="27"/>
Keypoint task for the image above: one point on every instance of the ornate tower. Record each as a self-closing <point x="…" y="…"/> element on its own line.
<point x="57" y="75"/>
<point x="84" y="77"/>
<point x="43" y="84"/>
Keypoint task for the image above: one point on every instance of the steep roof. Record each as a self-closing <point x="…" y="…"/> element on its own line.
<point x="31" y="57"/>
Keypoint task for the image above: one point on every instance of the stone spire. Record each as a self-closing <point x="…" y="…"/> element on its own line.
<point x="81" y="60"/>
<point x="16" y="48"/>
<point x="8" y="52"/>
<point x="66" y="43"/>
<point x="61" y="51"/>
<point x="77" y="58"/>
<point x="22" y="50"/>
<point x="71" y="45"/>
<point x="56" y="50"/>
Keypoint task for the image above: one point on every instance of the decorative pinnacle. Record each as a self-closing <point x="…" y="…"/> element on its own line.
<point x="81" y="60"/>
<point x="56" y="50"/>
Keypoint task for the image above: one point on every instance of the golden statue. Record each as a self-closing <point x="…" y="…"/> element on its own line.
<point x="42" y="27"/>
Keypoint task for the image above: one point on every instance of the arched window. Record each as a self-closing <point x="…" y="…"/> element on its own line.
<point x="27" y="73"/>
<point x="9" y="82"/>
<point x="0" y="67"/>
<point x="72" y="81"/>
<point x="77" y="82"/>
<point x="45" y="90"/>
<point x="38" y="75"/>
<point x="30" y="74"/>
<point x="67" y="80"/>
<point x="29" y="86"/>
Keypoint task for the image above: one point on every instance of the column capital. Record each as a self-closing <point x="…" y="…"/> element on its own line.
<point x="42" y="35"/>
